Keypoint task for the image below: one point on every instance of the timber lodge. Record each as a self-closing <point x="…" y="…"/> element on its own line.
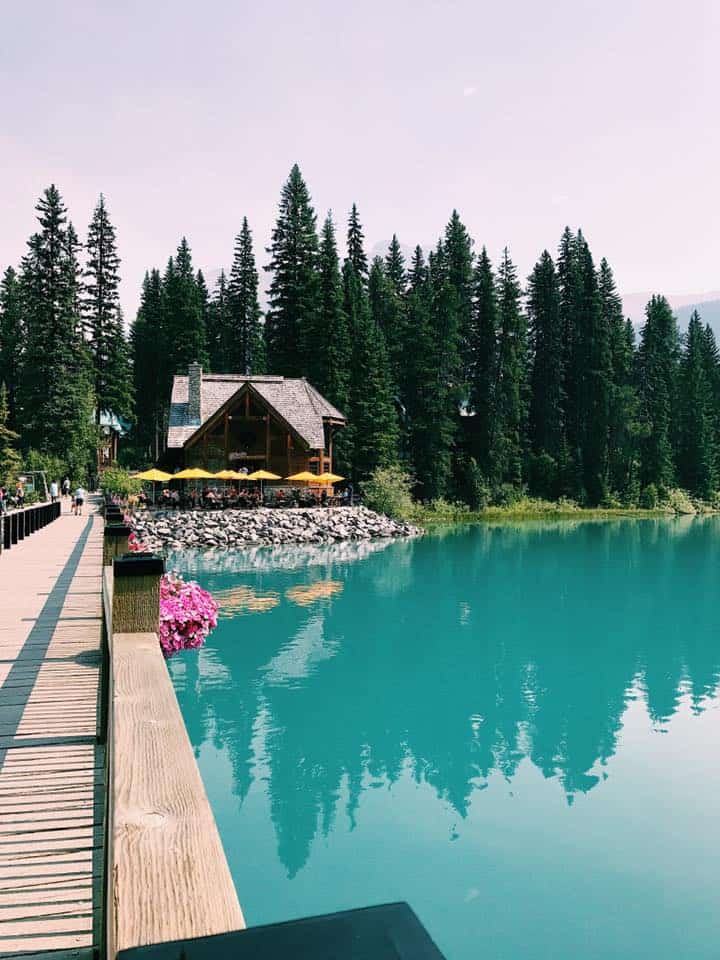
<point x="233" y="421"/>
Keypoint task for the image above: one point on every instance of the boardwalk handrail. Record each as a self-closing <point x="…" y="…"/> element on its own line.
<point x="167" y="877"/>
<point x="17" y="524"/>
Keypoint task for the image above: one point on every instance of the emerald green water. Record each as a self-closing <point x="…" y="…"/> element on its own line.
<point x="515" y="729"/>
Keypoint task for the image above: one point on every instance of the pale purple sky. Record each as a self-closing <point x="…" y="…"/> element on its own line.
<point x="525" y="116"/>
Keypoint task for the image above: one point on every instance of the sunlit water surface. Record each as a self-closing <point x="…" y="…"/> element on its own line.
<point x="515" y="729"/>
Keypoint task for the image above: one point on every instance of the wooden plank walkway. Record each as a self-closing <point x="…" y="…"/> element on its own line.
<point x="51" y="768"/>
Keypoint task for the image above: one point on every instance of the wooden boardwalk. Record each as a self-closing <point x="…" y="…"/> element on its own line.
<point x="51" y="766"/>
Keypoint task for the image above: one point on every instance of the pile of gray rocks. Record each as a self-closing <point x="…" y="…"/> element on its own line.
<point x="210" y="530"/>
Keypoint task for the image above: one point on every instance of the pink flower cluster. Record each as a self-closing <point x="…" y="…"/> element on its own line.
<point x="187" y="614"/>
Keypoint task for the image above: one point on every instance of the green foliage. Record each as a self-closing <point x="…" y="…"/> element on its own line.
<point x="388" y="490"/>
<point x="10" y="461"/>
<point x="243" y="343"/>
<point x="11" y="339"/>
<point x="150" y="372"/>
<point x="56" y="398"/>
<point x="118" y="482"/>
<point x="649" y="497"/>
<point x="294" y="288"/>
<point x="102" y="319"/>
<point x="54" y="467"/>
<point x="697" y="416"/>
<point x="658" y="357"/>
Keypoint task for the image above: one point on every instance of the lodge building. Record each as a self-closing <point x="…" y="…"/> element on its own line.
<point x="224" y="421"/>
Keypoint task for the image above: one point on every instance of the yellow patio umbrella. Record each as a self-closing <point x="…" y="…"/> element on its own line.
<point x="227" y="475"/>
<point x="305" y="476"/>
<point x="154" y="476"/>
<point x="262" y="475"/>
<point x="193" y="473"/>
<point x="157" y="476"/>
<point x="330" y="478"/>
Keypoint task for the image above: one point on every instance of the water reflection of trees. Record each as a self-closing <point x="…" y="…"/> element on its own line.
<point x="459" y="657"/>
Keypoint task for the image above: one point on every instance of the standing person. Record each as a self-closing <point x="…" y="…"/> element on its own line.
<point x="79" y="501"/>
<point x="66" y="487"/>
<point x="53" y="491"/>
<point x="19" y="495"/>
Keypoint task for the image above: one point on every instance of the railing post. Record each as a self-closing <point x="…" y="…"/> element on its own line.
<point x="136" y="593"/>
<point x="115" y="542"/>
<point x="7" y="532"/>
<point x="21" y="524"/>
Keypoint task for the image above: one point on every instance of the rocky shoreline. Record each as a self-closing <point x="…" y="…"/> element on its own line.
<point x="213" y="530"/>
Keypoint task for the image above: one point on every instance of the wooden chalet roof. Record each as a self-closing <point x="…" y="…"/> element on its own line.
<point x="296" y="401"/>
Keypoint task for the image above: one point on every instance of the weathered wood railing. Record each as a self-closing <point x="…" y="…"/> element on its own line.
<point x="166" y="873"/>
<point x="18" y="524"/>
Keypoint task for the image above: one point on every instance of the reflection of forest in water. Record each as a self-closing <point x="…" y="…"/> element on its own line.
<point x="453" y="657"/>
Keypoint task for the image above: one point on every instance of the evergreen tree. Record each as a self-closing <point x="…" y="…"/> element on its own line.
<point x="247" y="351"/>
<point x="458" y="251"/>
<point x="204" y="298"/>
<point x="182" y="307"/>
<point x="546" y="428"/>
<point x="435" y="423"/>
<point x="56" y="399"/>
<point x="11" y="340"/>
<point x="570" y="284"/>
<point x="697" y="452"/>
<point x="10" y="461"/>
<point x="623" y="412"/>
<point x="595" y="381"/>
<point x="294" y="289"/>
<point x="482" y="349"/>
<point x="102" y="318"/>
<point x="333" y="350"/>
<point x="217" y="327"/>
<point x="356" y="246"/>
<point x="372" y="415"/>
<point x="657" y="387"/>
<point x="149" y="364"/>
<point x="510" y="408"/>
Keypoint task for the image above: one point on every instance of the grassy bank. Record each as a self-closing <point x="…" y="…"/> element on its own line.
<point x="527" y="509"/>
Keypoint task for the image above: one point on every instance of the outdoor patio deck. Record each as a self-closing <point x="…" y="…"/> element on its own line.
<point x="51" y="766"/>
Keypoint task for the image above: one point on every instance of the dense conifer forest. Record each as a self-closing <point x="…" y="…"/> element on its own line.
<point x="478" y="383"/>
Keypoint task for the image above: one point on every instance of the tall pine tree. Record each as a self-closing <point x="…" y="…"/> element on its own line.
<point x="546" y="427"/>
<point x="247" y="349"/>
<point x="56" y="398"/>
<point x="102" y="318"/>
<point x="657" y="386"/>
<point x="697" y="452"/>
<point x="150" y="371"/>
<point x="482" y="351"/>
<point x="294" y="288"/>
<point x="11" y="340"/>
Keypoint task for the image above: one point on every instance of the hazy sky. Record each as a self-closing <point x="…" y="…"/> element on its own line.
<point x="525" y="116"/>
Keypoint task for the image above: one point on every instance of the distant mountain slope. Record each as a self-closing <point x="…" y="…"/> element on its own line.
<point x="706" y="304"/>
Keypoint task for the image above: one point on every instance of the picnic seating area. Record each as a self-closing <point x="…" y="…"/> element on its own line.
<point x="233" y="498"/>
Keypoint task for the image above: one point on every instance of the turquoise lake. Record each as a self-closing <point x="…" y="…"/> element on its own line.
<point x="516" y="729"/>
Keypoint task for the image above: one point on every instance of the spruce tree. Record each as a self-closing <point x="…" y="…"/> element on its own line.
<point x="247" y="350"/>
<point x="150" y="372"/>
<point x="482" y="349"/>
<point x="356" y="246"/>
<point x="546" y="428"/>
<point x="372" y="415"/>
<point x="622" y="419"/>
<point x="697" y="451"/>
<point x="217" y="334"/>
<point x="294" y="288"/>
<point x="458" y="251"/>
<point x="11" y="340"/>
<point x="331" y="370"/>
<point x="436" y="418"/>
<point x="55" y="398"/>
<point x="570" y="284"/>
<point x="102" y="318"/>
<point x="657" y="387"/>
<point x="10" y="460"/>
<point x="183" y="321"/>
<point x="510" y="408"/>
<point x="595" y="381"/>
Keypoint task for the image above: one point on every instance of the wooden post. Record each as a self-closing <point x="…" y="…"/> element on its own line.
<point x="115" y="542"/>
<point x="227" y="429"/>
<point x="136" y="593"/>
<point x="267" y="441"/>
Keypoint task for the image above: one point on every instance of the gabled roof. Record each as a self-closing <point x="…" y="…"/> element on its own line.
<point x="295" y="401"/>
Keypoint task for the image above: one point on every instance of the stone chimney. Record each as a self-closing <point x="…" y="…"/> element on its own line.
<point x="195" y="393"/>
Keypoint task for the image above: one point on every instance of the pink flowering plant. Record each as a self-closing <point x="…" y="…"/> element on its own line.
<point x="187" y="612"/>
